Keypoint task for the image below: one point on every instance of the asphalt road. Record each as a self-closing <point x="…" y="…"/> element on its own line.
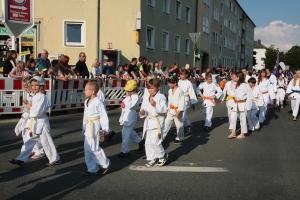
<point x="264" y="165"/>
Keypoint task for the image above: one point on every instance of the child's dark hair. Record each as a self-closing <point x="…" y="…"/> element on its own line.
<point x="94" y="85"/>
<point x="252" y="80"/>
<point x="208" y="75"/>
<point x="241" y="80"/>
<point x="183" y="71"/>
<point x="153" y="83"/>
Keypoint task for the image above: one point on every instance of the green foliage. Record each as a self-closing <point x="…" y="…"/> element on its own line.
<point x="293" y="57"/>
<point x="270" y="56"/>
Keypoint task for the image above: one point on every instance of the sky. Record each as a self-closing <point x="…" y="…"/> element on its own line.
<point x="277" y="21"/>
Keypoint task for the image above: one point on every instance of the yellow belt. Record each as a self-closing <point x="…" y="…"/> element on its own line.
<point x="158" y="124"/>
<point x="186" y="96"/>
<point x="31" y="127"/>
<point x="229" y="98"/>
<point x="255" y="99"/>
<point x="91" y="121"/>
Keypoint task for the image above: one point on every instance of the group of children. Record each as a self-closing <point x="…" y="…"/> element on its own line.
<point x="243" y="101"/>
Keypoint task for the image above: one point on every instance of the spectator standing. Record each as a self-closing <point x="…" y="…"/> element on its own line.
<point x="10" y="63"/>
<point x="55" y="71"/>
<point x="134" y="70"/>
<point x="30" y="67"/>
<point x="65" y="68"/>
<point x="108" y="69"/>
<point x="43" y="60"/>
<point x="96" y="71"/>
<point x="81" y="68"/>
<point x="19" y="71"/>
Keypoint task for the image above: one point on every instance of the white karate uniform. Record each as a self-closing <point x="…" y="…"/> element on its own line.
<point x="247" y="78"/>
<point x="38" y="148"/>
<point x="209" y="90"/>
<point x="241" y="93"/>
<point x="127" y="120"/>
<point x="280" y="92"/>
<point x="153" y="124"/>
<point x="178" y="101"/>
<point x="40" y="125"/>
<point x="189" y="98"/>
<point x="273" y="82"/>
<point x="294" y="92"/>
<point x="101" y="97"/>
<point x="267" y="93"/>
<point x="252" y="118"/>
<point x="94" y="119"/>
<point x="229" y="92"/>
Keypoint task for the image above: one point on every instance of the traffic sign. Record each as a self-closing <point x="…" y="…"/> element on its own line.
<point x="194" y="37"/>
<point x="18" y="15"/>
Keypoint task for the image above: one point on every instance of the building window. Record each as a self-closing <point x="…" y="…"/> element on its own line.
<point x="207" y="2"/>
<point x="227" y="3"/>
<point x="214" y="59"/>
<point x="187" y="46"/>
<point x="151" y="3"/>
<point x="205" y="24"/>
<point x="74" y="33"/>
<point x="177" y="44"/>
<point x="216" y="14"/>
<point x="178" y="10"/>
<point x="150" y="37"/>
<point x="166" y="6"/>
<point x="188" y="15"/>
<point x="165" y="41"/>
<point x="221" y="9"/>
<point x="215" y="37"/>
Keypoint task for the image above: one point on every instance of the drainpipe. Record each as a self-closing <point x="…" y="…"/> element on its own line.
<point x="98" y="30"/>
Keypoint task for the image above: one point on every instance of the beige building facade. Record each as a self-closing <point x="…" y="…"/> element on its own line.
<point x="156" y="29"/>
<point x="227" y="35"/>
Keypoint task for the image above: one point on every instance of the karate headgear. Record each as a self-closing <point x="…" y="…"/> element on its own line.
<point x="40" y="80"/>
<point x="130" y="86"/>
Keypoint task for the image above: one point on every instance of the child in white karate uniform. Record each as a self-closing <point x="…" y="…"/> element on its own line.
<point x="189" y="97"/>
<point x="267" y="93"/>
<point x="293" y="91"/>
<point x="228" y="93"/>
<point x="281" y="85"/>
<point x="176" y="103"/>
<point x="242" y="103"/>
<point x="252" y="118"/>
<point x="128" y="119"/>
<point x="95" y="124"/>
<point x="37" y="127"/>
<point x="37" y="151"/>
<point x="153" y="109"/>
<point x="210" y="91"/>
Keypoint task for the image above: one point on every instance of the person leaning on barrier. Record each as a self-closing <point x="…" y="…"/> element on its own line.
<point x="10" y="63"/>
<point x="30" y="67"/>
<point x="19" y="71"/>
<point x="43" y="60"/>
<point x="65" y="68"/>
<point x="108" y="70"/>
<point x="81" y="68"/>
<point x="55" y="72"/>
<point x="96" y="70"/>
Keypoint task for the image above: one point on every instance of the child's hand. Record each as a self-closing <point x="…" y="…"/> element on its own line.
<point x="25" y="101"/>
<point x="142" y="112"/>
<point x="28" y="106"/>
<point x="159" y="136"/>
<point x="222" y="102"/>
<point x="152" y="102"/>
<point x="177" y="115"/>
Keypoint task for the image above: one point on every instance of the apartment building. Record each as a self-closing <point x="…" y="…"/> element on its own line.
<point x="227" y="34"/>
<point x="117" y="29"/>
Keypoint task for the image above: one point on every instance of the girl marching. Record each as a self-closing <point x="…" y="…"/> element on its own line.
<point x="293" y="91"/>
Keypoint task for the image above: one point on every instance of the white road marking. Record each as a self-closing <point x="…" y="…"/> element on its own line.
<point x="177" y="169"/>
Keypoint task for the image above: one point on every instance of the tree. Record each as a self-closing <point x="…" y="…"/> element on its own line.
<point x="293" y="57"/>
<point x="270" y="56"/>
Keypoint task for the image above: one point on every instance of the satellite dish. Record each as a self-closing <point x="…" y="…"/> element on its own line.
<point x="282" y="65"/>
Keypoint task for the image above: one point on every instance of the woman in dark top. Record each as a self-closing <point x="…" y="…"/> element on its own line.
<point x="10" y="63"/>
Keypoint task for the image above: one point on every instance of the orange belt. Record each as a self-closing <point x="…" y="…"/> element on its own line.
<point x="265" y="92"/>
<point x="239" y="101"/>
<point x="207" y="98"/>
<point x="175" y="108"/>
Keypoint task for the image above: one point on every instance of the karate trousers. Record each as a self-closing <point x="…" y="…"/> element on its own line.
<point x="280" y="97"/>
<point x="153" y="146"/>
<point x="295" y="106"/>
<point x="252" y="118"/>
<point x="208" y="113"/>
<point x="178" y="123"/>
<point x="37" y="149"/>
<point x="243" y="121"/>
<point x="46" y="142"/>
<point x="262" y="113"/>
<point x="94" y="155"/>
<point x="128" y="134"/>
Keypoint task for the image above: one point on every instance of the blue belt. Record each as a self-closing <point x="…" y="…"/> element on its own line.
<point x="295" y="91"/>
